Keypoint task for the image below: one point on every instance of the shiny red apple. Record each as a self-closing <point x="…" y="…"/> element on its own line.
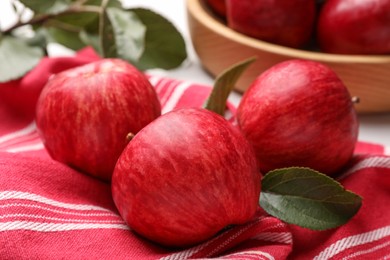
<point x="85" y="113"/>
<point x="355" y="27"/>
<point x="299" y="113"/>
<point x="284" y="22"/>
<point x="218" y="6"/>
<point x="185" y="177"/>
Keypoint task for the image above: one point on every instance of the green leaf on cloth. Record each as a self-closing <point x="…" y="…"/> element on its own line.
<point x="307" y="198"/>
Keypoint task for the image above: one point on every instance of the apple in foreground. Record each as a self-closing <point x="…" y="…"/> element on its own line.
<point x="85" y="113"/>
<point x="185" y="177"/>
<point x="299" y="113"/>
<point x="284" y="22"/>
<point x="355" y="27"/>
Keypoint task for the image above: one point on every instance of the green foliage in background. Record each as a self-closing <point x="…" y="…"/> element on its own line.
<point x="139" y="36"/>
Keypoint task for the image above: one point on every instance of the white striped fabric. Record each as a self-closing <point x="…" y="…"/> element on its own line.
<point x="375" y="161"/>
<point x="49" y="215"/>
<point x="175" y="97"/>
<point x="7" y="195"/>
<point x="351" y="241"/>
<point x="249" y="255"/>
<point x="53" y="227"/>
<point x="22" y="132"/>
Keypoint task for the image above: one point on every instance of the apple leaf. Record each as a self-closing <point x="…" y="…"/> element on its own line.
<point x="164" y="45"/>
<point x="128" y="33"/>
<point x="140" y="36"/>
<point x="307" y="198"/>
<point x="107" y="45"/>
<point x="65" y="37"/>
<point x="39" y="39"/>
<point x="76" y="21"/>
<point x="91" y="38"/>
<point x="46" y="7"/>
<point x="224" y="85"/>
<point x="17" y="58"/>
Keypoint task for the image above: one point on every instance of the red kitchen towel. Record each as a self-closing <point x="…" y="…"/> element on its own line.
<point x="50" y="211"/>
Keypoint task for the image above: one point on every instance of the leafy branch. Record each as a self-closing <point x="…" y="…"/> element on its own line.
<point x="41" y="19"/>
<point x="140" y="36"/>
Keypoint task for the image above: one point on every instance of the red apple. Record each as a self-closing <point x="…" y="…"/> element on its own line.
<point x="285" y="22"/>
<point x="299" y="113"/>
<point x="185" y="177"/>
<point x="84" y="114"/>
<point x="218" y="6"/>
<point x="355" y="27"/>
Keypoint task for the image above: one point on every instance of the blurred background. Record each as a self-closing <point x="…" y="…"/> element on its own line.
<point x="373" y="128"/>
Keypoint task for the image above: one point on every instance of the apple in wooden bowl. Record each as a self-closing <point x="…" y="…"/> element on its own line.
<point x="218" y="46"/>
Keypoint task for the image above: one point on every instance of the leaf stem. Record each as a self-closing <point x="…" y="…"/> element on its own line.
<point x="102" y="25"/>
<point x="44" y="17"/>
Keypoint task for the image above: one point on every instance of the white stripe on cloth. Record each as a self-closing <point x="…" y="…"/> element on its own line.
<point x="351" y="241"/>
<point x="66" y="212"/>
<point x="279" y="237"/>
<point x="191" y="251"/>
<point x="367" y="251"/>
<point x="387" y="150"/>
<point x="41" y="217"/>
<point x="32" y="137"/>
<point x="370" y="162"/>
<point x="175" y="97"/>
<point x="154" y="80"/>
<point x="7" y="195"/>
<point x="165" y="95"/>
<point x="26" y="148"/>
<point x="53" y="227"/>
<point x="230" y="235"/>
<point x="24" y="131"/>
<point x="246" y="254"/>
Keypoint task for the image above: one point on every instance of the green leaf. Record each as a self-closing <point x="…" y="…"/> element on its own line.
<point x="106" y="37"/>
<point x="128" y="34"/>
<point x="39" y="39"/>
<point x="17" y="58"/>
<point x="64" y="37"/>
<point x="90" y="38"/>
<point x="164" y="45"/>
<point x="307" y="198"/>
<point x="79" y="20"/>
<point x="224" y="85"/>
<point x="46" y="7"/>
<point x="76" y="30"/>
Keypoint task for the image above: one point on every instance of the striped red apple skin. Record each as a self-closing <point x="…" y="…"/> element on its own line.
<point x="284" y="22"/>
<point x="355" y="27"/>
<point x="299" y="113"/>
<point x="84" y="114"/>
<point x="185" y="177"/>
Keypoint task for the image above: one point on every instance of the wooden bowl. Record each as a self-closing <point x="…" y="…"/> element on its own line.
<point x="218" y="47"/>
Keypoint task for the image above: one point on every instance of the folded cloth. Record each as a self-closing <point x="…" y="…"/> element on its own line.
<point x="50" y="211"/>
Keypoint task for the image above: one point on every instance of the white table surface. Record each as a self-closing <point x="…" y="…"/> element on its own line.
<point x="373" y="128"/>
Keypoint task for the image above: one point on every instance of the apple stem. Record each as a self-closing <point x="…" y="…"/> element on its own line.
<point x="129" y="137"/>
<point x="355" y="100"/>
